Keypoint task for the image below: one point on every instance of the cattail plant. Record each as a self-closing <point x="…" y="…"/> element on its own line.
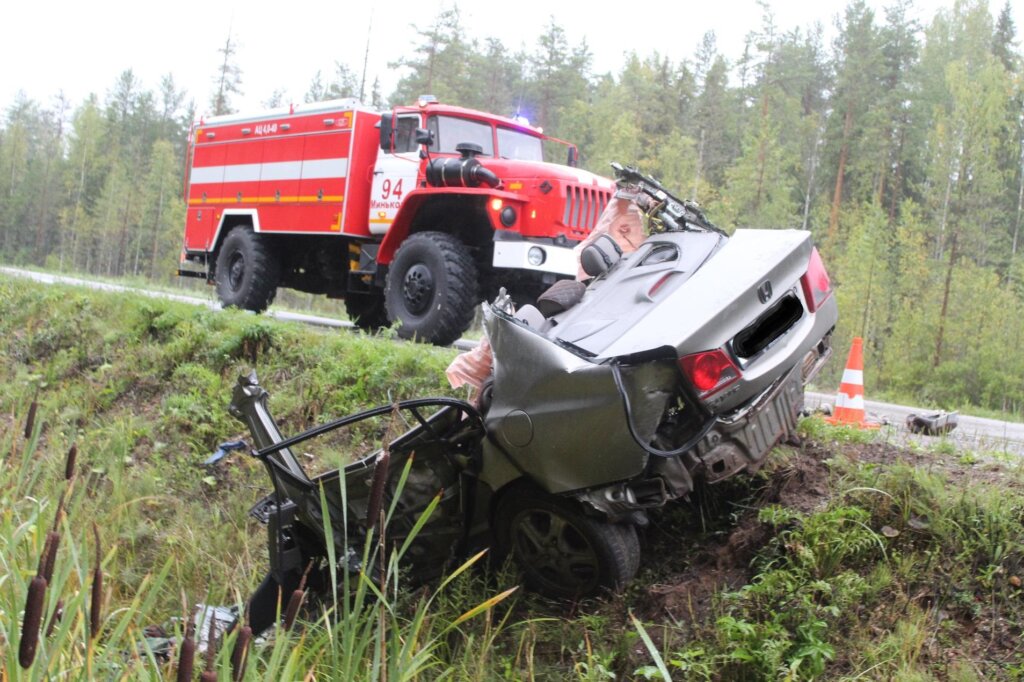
<point x="240" y="654"/>
<point x="209" y="675"/>
<point x="49" y="556"/>
<point x="30" y="421"/>
<point x="381" y="469"/>
<point x="34" y="603"/>
<point x="70" y="461"/>
<point x="97" y="588"/>
<point x="187" y="650"/>
<point x="375" y="520"/>
<point x="186" y="657"/>
<point x="292" y="612"/>
<point x="295" y="601"/>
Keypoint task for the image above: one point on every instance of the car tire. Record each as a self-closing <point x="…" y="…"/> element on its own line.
<point x="432" y="288"/>
<point x="561" y="552"/>
<point x="366" y="311"/>
<point x="247" y="271"/>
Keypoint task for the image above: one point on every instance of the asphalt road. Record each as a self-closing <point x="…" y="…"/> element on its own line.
<point x="973" y="433"/>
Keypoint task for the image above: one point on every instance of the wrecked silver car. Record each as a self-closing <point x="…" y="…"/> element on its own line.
<point x="681" y="357"/>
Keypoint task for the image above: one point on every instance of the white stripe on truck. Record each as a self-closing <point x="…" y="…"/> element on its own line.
<point x="281" y="170"/>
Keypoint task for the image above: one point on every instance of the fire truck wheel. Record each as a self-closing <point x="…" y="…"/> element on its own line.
<point x="247" y="271"/>
<point x="561" y="552"/>
<point x="366" y="311"/>
<point x="432" y="288"/>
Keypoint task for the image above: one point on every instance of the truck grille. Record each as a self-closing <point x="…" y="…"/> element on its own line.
<point x="583" y="206"/>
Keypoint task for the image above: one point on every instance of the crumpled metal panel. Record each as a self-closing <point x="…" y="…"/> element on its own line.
<point x="560" y="418"/>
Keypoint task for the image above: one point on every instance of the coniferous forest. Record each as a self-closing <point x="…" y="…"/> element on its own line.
<point x="899" y="144"/>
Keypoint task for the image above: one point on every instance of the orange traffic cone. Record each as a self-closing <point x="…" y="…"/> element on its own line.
<point x="850" y="399"/>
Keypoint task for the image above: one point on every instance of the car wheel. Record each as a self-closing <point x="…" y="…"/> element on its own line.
<point x="432" y="288"/>
<point x="366" y="311"/>
<point x="561" y="552"/>
<point x="247" y="271"/>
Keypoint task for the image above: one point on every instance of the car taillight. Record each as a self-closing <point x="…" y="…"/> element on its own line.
<point x="710" y="371"/>
<point x="817" y="286"/>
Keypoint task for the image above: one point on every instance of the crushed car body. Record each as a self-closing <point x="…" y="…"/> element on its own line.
<point x="682" y="356"/>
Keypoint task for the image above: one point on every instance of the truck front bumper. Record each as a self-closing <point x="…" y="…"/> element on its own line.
<point x="524" y="255"/>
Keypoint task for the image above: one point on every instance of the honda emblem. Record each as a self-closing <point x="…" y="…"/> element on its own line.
<point x="764" y="292"/>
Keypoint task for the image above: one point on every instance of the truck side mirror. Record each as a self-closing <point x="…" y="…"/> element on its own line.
<point x="574" y="157"/>
<point x="424" y="136"/>
<point x="387" y="131"/>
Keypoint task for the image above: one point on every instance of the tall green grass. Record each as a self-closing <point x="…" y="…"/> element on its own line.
<point x="905" y="570"/>
<point x="71" y="626"/>
<point x="143" y="387"/>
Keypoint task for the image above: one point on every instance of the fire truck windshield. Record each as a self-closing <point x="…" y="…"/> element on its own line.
<point x="450" y="131"/>
<point x="515" y="144"/>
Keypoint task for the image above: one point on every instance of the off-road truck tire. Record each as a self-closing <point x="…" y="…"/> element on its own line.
<point x="432" y="288"/>
<point x="247" y="271"/>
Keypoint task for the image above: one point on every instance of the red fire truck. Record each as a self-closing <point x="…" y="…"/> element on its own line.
<point x="412" y="215"/>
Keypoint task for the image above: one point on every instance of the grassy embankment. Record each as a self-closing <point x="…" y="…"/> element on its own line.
<point x="841" y="560"/>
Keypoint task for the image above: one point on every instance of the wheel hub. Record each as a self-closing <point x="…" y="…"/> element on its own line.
<point x="418" y="289"/>
<point x="555" y="551"/>
<point x="236" y="271"/>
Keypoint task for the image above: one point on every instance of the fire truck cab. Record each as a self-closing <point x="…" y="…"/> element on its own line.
<point x="412" y="215"/>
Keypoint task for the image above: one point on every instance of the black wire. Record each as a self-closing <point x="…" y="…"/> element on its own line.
<point x="650" y="449"/>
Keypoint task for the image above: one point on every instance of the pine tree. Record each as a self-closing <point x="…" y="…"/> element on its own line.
<point x="84" y="175"/>
<point x="162" y="215"/>
<point x="716" y="125"/>
<point x="1004" y="38"/>
<point x="439" y="66"/>
<point x="900" y="51"/>
<point x="228" y="80"/>
<point x="343" y="84"/>
<point x="858" y="59"/>
<point x="558" y="75"/>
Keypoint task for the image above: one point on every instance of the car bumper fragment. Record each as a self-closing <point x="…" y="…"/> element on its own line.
<point x="742" y="441"/>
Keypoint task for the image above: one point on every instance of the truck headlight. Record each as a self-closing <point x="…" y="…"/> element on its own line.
<point x="536" y="256"/>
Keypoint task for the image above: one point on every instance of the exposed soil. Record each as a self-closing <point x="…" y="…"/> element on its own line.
<point x="720" y="560"/>
<point x="696" y="564"/>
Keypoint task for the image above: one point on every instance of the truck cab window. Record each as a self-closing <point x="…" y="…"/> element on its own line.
<point x="405" y="133"/>
<point x="514" y="144"/>
<point x="450" y="131"/>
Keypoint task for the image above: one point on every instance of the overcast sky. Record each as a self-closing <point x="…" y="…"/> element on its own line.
<point x="81" y="47"/>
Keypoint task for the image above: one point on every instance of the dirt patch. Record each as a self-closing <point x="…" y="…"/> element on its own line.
<point x="802" y="483"/>
<point x="719" y="558"/>
<point x="957" y="466"/>
<point x="687" y="569"/>
<point x="689" y="596"/>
